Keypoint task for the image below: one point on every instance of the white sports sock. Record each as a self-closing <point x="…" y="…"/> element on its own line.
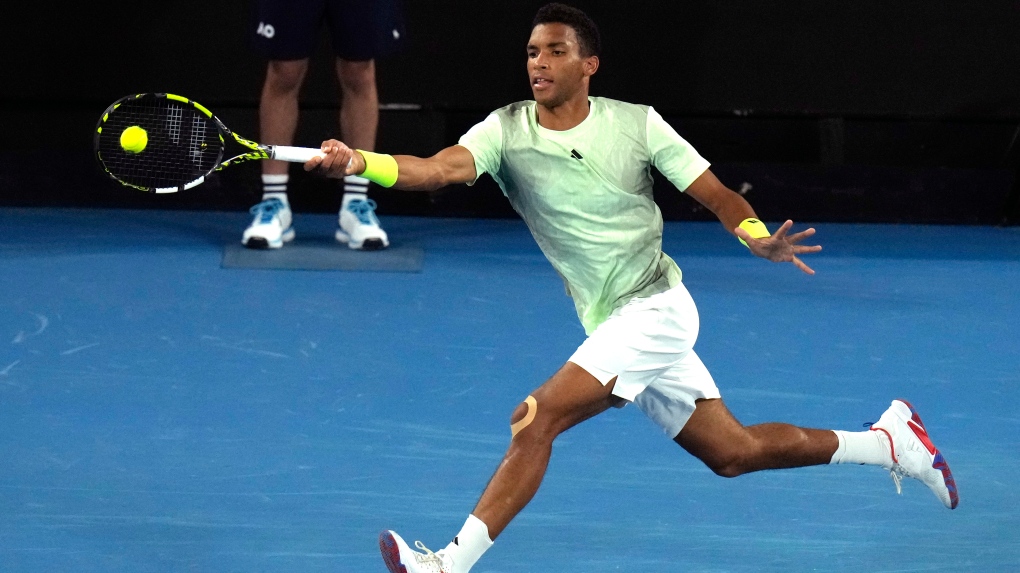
<point x="275" y="186"/>
<point x="868" y="447"/>
<point x="469" y="545"/>
<point x="355" y="183"/>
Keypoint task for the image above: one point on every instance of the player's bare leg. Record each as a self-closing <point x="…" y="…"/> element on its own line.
<point x="731" y="449"/>
<point x="898" y="442"/>
<point x="571" y="396"/>
<point x="565" y="400"/>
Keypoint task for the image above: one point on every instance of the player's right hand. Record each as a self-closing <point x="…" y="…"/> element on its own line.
<point x="339" y="161"/>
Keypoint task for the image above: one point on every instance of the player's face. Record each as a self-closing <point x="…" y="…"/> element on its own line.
<point x="555" y="66"/>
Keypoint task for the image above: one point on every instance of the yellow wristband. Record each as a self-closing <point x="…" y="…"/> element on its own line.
<point x="755" y="228"/>
<point x="379" y="168"/>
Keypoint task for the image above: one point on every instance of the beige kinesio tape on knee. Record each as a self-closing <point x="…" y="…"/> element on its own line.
<point x="527" y="419"/>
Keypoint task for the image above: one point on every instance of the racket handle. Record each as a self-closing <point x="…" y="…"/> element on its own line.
<point x="294" y="154"/>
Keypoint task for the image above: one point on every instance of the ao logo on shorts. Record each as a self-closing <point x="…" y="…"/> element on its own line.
<point x="266" y="30"/>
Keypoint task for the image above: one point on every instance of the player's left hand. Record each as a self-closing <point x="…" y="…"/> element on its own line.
<point x="780" y="247"/>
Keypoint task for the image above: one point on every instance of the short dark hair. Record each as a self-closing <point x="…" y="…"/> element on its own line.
<point x="587" y="32"/>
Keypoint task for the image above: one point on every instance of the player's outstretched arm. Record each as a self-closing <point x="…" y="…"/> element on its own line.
<point x="732" y="210"/>
<point x="454" y="164"/>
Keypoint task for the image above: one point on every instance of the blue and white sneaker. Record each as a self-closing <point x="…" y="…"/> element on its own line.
<point x="400" y="558"/>
<point x="913" y="453"/>
<point x="358" y="226"/>
<point x="271" y="227"/>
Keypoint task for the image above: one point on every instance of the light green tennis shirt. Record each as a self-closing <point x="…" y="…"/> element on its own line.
<point x="586" y="195"/>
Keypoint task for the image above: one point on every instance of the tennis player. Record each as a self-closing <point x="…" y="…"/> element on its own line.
<point x="577" y="170"/>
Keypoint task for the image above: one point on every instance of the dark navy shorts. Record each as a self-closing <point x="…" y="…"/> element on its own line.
<point x="358" y="29"/>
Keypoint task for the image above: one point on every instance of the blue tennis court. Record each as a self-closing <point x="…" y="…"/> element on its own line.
<point x="162" y="413"/>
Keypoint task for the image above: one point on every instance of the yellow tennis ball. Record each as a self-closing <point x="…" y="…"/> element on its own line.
<point x="134" y="139"/>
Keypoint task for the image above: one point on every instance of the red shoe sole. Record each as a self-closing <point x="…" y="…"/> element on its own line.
<point x="390" y="553"/>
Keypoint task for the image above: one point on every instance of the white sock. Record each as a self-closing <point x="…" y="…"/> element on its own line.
<point x="469" y="545"/>
<point x="868" y="447"/>
<point x="275" y="186"/>
<point x="355" y="184"/>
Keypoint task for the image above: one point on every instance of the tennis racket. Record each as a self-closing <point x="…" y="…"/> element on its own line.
<point x="164" y="143"/>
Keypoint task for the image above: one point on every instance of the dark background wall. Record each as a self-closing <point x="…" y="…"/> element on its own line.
<point x="839" y="111"/>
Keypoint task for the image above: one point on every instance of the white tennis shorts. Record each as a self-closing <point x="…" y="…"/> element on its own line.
<point x="648" y="345"/>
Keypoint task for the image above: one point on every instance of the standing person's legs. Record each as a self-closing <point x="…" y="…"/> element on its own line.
<point x="358" y="227"/>
<point x="284" y="33"/>
<point x="278" y="120"/>
<point x="360" y="33"/>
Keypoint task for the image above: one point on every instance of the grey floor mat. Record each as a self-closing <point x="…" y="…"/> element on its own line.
<point x="324" y="255"/>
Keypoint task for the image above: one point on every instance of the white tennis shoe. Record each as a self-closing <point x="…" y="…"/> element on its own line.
<point x="271" y="227"/>
<point x="359" y="227"/>
<point x="400" y="558"/>
<point x="913" y="453"/>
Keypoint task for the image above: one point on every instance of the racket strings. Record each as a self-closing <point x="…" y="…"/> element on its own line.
<point x="183" y="144"/>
